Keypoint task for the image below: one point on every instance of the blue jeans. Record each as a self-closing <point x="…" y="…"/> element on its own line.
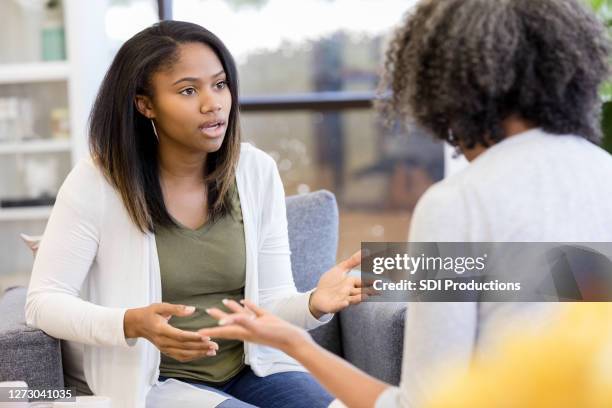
<point x="292" y="389"/>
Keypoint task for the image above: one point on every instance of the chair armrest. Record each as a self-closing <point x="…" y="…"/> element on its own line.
<point x="26" y="354"/>
<point x="313" y="236"/>
<point x="373" y="336"/>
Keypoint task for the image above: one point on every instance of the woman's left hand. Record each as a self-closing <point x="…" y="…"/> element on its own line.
<point x="336" y="290"/>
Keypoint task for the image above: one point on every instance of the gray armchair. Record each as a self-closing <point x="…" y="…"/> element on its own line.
<point x="369" y="335"/>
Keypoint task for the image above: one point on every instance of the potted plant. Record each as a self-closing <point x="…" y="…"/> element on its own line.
<point x="603" y="8"/>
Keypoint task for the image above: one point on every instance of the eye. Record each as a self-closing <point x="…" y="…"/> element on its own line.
<point x="221" y="84"/>
<point x="188" y="91"/>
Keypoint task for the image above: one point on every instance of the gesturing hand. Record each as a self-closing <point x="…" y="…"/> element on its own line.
<point x="254" y="324"/>
<point x="151" y="322"/>
<point x="336" y="290"/>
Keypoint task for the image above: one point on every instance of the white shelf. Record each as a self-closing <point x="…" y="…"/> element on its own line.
<point x="34" y="72"/>
<point x="25" y="213"/>
<point x="35" y="146"/>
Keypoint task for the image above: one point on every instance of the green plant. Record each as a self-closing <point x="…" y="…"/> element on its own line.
<point x="603" y="8"/>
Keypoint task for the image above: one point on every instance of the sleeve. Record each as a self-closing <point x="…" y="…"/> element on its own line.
<point x="67" y="251"/>
<point x="437" y="336"/>
<point x="277" y="291"/>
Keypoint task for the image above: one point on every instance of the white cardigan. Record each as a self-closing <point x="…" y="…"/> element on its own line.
<point x="94" y="263"/>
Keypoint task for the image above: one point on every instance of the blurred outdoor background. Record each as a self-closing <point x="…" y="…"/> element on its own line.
<point x="308" y="72"/>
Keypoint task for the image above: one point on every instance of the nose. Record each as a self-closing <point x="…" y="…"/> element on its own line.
<point x="210" y="103"/>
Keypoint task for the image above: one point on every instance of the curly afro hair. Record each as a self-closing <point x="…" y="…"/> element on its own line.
<point x="466" y="65"/>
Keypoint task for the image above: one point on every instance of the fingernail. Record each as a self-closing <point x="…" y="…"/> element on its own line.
<point x="207" y="311"/>
<point x="224" y="301"/>
<point x="189" y="309"/>
<point x="211" y="353"/>
<point x="242" y="301"/>
<point x="205" y="338"/>
<point x="223" y="322"/>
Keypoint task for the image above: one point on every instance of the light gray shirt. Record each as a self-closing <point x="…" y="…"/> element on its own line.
<point x="530" y="187"/>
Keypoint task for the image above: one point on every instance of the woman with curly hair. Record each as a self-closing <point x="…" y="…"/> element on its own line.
<point x="513" y="85"/>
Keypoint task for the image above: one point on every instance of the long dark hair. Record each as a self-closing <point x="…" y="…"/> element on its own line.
<point x="121" y="139"/>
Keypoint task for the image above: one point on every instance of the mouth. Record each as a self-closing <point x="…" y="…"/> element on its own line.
<point x="213" y="128"/>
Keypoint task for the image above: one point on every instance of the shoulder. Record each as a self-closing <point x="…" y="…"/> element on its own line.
<point x="258" y="177"/>
<point x="256" y="163"/>
<point x="85" y="187"/>
<point x="439" y="199"/>
<point x="85" y="177"/>
<point x="254" y="157"/>
<point x="440" y="214"/>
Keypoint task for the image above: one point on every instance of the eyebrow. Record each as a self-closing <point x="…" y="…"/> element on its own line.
<point x="195" y="79"/>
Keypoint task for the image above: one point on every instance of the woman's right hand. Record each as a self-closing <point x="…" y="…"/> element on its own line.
<point x="254" y="324"/>
<point x="151" y="323"/>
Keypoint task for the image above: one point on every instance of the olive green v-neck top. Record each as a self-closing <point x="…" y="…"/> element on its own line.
<point x="201" y="268"/>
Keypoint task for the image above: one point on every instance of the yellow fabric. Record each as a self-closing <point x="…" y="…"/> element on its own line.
<point x="567" y="365"/>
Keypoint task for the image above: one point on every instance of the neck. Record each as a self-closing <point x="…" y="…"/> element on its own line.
<point x="176" y="166"/>
<point x="512" y="125"/>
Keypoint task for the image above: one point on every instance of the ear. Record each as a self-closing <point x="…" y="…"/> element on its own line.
<point x="145" y="106"/>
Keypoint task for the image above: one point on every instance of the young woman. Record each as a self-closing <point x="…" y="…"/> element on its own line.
<point x="512" y="84"/>
<point x="172" y="208"/>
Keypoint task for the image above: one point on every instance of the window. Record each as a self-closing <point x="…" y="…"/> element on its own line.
<point x="124" y="18"/>
<point x="307" y="72"/>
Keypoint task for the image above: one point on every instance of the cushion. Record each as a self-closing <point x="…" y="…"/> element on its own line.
<point x="313" y="238"/>
<point x="373" y="338"/>
<point x="26" y="354"/>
